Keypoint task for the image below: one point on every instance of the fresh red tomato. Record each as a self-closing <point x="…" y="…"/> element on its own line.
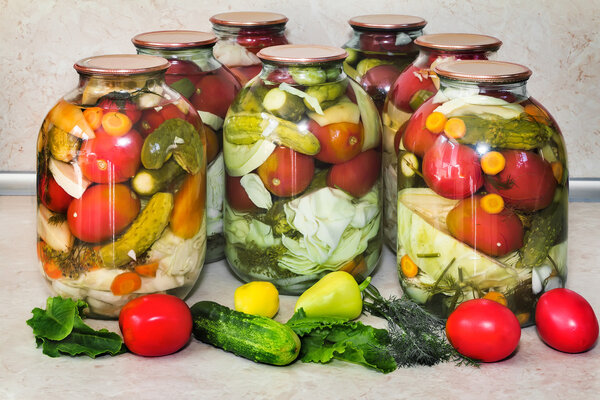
<point x="378" y="80"/>
<point x="340" y="141"/>
<point x="566" y="321"/>
<point x="124" y="106"/>
<point x="214" y="94"/>
<point x="102" y="212"/>
<point x="286" y="172"/>
<point x="52" y="195"/>
<point x="110" y="159"/>
<point x="494" y="234"/>
<point x="409" y="82"/>
<point x="526" y="183"/>
<point x="483" y="330"/>
<point x="452" y="170"/>
<point x="236" y="195"/>
<point x="358" y="175"/>
<point x="416" y="137"/>
<point x="155" y="325"/>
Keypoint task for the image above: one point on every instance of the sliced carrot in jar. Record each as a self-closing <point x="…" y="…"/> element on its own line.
<point x="125" y="283"/>
<point x="52" y="270"/>
<point x="497" y="297"/>
<point x="93" y="116"/>
<point x="492" y="203"/>
<point x="408" y="267"/>
<point x="116" y="123"/>
<point x="435" y="122"/>
<point x="148" y="270"/>
<point x="492" y="163"/>
<point x="455" y="128"/>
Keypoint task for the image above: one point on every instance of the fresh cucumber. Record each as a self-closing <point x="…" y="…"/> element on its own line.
<point x="284" y="105"/>
<point x="149" y="181"/>
<point x="256" y="338"/>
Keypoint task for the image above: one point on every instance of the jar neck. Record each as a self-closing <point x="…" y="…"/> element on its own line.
<point x="274" y="71"/>
<point x="224" y="32"/>
<point x="93" y="86"/>
<point x="513" y="92"/>
<point x="385" y="39"/>
<point x="202" y="56"/>
<point x="427" y="57"/>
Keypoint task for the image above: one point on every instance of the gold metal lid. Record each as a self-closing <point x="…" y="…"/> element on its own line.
<point x="302" y="53"/>
<point x="121" y="64"/>
<point x="459" y="42"/>
<point x="248" y="18"/>
<point x="175" y="39"/>
<point x="392" y="22"/>
<point x="483" y="71"/>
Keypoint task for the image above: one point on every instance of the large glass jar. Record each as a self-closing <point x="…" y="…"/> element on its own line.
<point x="482" y="208"/>
<point x="415" y="85"/>
<point x="121" y="169"/>
<point x="242" y="35"/>
<point x="302" y="160"/>
<point x="210" y="87"/>
<point x="380" y="48"/>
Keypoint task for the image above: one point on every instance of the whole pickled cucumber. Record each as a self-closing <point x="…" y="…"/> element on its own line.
<point x="144" y="231"/>
<point x="174" y="137"/>
<point x="366" y="64"/>
<point x="250" y="99"/>
<point x="284" y="105"/>
<point x="308" y="75"/>
<point x="326" y="93"/>
<point x="517" y="133"/>
<point x="248" y="128"/>
<point x="149" y="181"/>
<point x="62" y="145"/>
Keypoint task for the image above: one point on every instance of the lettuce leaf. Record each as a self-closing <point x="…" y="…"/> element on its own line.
<point x="59" y="329"/>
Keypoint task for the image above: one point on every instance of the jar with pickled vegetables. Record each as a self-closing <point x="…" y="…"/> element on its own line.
<point x="242" y="35"/>
<point x="379" y="50"/>
<point x="121" y="170"/>
<point x="482" y="207"/>
<point x="302" y="159"/>
<point x="412" y="87"/>
<point x="211" y="88"/>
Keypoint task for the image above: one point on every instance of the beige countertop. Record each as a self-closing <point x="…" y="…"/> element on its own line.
<point x="200" y="371"/>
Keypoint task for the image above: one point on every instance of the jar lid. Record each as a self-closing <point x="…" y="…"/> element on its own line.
<point x="458" y="42"/>
<point x="392" y="22"/>
<point x="483" y="71"/>
<point x="302" y="53"/>
<point x="248" y="18"/>
<point x="175" y="39"/>
<point x="121" y="64"/>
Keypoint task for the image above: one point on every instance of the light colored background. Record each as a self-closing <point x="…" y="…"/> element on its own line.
<point x="40" y="40"/>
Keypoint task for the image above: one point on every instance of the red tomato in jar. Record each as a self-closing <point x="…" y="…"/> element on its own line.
<point x="483" y="330"/>
<point x="416" y="137"/>
<point x="451" y="169"/>
<point x="383" y="42"/>
<point x="155" y="325"/>
<point x="152" y="118"/>
<point x="409" y="83"/>
<point x="102" y="212"/>
<point x="281" y="76"/>
<point x="339" y="141"/>
<point x="110" y="159"/>
<point x="236" y="195"/>
<point x="181" y="68"/>
<point x="254" y="39"/>
<point x="52" y="195"/>
<point x="378" y="80"/>
<point x="246" y="72"/>
<point x="566" y="321"/>
<point x="125" y="106"/>
<point x="214" y="94"/>
<point x="526" y="183"/>
<point x="286" y="172"/>
<point x="358" y="175"/>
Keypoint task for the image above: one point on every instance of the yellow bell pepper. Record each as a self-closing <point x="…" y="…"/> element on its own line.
<point x="257" y="298"/>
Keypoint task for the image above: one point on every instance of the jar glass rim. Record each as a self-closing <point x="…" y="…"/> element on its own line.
<point x="483" y="71"/>
<point x="392" y="22"/>
<point x="174" y="39"/>
<point x="248" y="18"/>
<point x="302" y="53"/>
<point x="458" y="42"/>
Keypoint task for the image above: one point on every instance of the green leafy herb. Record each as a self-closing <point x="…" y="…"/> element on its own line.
<point x="326" y="338"/>
<point x="59" y="329"/>
<point x="416" y="337"/>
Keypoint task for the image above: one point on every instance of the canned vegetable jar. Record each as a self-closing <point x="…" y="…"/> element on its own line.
<point x="415" y="85"/>
<point x="210" y="87"/>
<point x="482" y="208"/>
<point x="121" y="173"/>
<point x="242" y="35"/>
<point x="302" y="158"/>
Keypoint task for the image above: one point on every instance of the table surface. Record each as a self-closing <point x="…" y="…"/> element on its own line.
<point x="534" y="371"/>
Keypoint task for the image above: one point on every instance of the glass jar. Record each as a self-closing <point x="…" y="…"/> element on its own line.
<point x="242" y="35"/>
<point x="210" y="87"/>
<point x="482" y="210"/>
<point x="415" y="85"/>
<point x="121" y="170"/>
<point x="380" y="48"/>
<point x="302" y="158"/>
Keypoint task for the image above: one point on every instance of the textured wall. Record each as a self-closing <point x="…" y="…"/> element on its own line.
<point x="40" y="41"/>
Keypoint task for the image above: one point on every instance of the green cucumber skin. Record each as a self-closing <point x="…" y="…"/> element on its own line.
<point x="256" y="338"/>
<point x="150" y="181"/>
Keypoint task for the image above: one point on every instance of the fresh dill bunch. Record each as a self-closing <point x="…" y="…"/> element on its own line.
<point x="416" y="336"/>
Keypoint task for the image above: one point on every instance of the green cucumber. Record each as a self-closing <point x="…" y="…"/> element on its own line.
<point x="142" y="233"/>
<point x="326" y="93"/>
<point x="284" y="105"/>
<point x="250" y="99"/>
<point x="308" y="75"/>
<point x="256" y="338"/>
<point x="149" y="181"/>
<point x="419" y="98"/>
<point x="367" y="63"/>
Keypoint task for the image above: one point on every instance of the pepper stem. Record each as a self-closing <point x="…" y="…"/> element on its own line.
<point x="364" y="284"/>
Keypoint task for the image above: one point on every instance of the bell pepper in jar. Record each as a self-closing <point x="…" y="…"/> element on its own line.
<point x="410" y="90"/>
<point x="211" y="88"/>
<point x="482" y="209"/>
<point x="302" y="157"/>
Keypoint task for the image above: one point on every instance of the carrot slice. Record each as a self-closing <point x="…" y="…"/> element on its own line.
<point x="212" y="144"/>
<point x="41" y="253"/>
<point x="116" y="123"/>
<point x="69" y="118"/>
<point x="497" y="297"/>
<point x="492" y="162"/>
<point x="355" y="267"/>
<point x="52" y="270"/>
<point x="435" y="122"/>
<point x="492" y="203"/>
<point x="557" y="171"/>
<point x="537" y="113"/>
<point x="148" y="270"/>
<point x="189" y="206"/>
<point x="408" y="267"/>
<point x="125" y="283"/>
<point x="455" y="128"/>
<point x="93" y="116"/>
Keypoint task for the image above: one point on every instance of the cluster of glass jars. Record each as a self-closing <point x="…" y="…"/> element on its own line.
<point x="292" y="161"/>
